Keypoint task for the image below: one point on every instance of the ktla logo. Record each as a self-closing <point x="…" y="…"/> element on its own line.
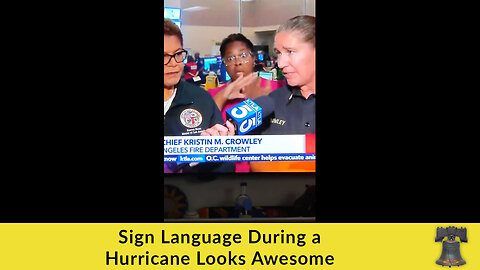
<point x="242" y="111"/>
<point x="247" y="115"/>
<point x="252" y="104"/>
<point x="250" y="123"/>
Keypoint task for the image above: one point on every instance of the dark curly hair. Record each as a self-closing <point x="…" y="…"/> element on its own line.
<point x="171" y="29"/>
<point x="234" y="37"/>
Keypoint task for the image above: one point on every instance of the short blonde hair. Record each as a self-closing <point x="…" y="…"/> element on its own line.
<point x="304" y="24"/>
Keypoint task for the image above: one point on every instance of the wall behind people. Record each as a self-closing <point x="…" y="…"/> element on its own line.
<point x="172" y="3"/>
<point x="202" y="29"/>
<point x="202" y="38"/>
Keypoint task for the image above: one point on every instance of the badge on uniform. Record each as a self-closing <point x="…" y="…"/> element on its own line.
<point x="191" y="118"/>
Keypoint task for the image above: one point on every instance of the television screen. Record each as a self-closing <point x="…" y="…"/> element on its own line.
<point x="214" y="67"/>
<point x="178" y="23"/>
<point x="265" y="75"/>
<point x="260" y="57"/>
<point x="260" y="49"/>
<point x="171" y="13"/>
<point x="224" y="77"/>
<point x="209" y="60"/>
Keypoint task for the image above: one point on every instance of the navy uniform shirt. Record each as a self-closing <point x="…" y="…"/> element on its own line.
<point x="193" y="110"/>
<point x="293" y="113"/>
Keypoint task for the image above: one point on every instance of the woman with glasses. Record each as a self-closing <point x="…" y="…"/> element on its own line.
<point x="237" y="55"/>
<point x="187" y="109"/>
<point x="239" y="60"/>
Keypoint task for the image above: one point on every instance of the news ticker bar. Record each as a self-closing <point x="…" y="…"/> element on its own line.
<point x="238" y="158"/>
<point x="242" y="146"/>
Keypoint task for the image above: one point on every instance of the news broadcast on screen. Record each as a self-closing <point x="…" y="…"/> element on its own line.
<point x="273" y="153"/>
<point x="243" y="106"/>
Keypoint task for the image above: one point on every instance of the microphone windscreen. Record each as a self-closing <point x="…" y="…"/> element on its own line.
<point x="247" y="115"/>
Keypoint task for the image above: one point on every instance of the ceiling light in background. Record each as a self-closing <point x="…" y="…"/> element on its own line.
<point x="195" y="8"/>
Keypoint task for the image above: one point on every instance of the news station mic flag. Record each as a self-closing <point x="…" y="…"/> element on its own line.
<point x="247" y="115"/>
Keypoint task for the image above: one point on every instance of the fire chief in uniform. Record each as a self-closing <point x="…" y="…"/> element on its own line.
<point x="294" y="103"/>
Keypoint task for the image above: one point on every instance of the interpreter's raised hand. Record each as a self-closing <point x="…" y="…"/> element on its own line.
<point x="234" y="89"/>
<point x="220" y="130"/>
<point x="255" y="90"/>
<point x="237" y="88"/>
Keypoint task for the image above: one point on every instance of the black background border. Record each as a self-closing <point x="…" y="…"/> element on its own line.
<point x="395" y="137"/>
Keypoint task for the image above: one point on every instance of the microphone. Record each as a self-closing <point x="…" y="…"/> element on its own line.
<point x="248" y="114"/>
<point x="245" y="116"/>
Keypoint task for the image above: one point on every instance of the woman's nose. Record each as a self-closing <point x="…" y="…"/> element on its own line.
<point x="282" y="61"/>
<point x="172" y="63"/>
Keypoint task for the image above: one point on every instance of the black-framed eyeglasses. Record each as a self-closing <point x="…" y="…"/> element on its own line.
<point x="179" y="57"/>
<point x="242" y="58"/>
